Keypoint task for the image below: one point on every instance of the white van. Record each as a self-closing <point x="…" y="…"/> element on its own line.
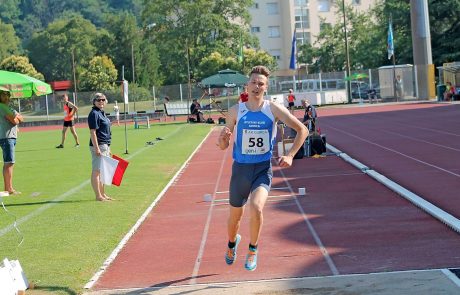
<point x="312" y="85"/>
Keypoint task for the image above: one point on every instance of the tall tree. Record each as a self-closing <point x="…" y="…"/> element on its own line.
<point x="100" y="74"/>
<point x="187" y="31"/>
<point x="10" y="42"/>
<point x="20" y="64"/>
<point x="51" y="50"/>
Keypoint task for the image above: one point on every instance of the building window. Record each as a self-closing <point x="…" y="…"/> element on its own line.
<point x="255" y="5"/>
<point x="276" y="53"/>
<point x="255" y="29"/>
<point x="300" y="2"/>
<point x="324" y="6"/>
<point x="274" y="32"/>
<point x="272" y="8"/>
<point x="302" y="20"/>
<point x="302" y="38"/>
<point x="356" y="2"/>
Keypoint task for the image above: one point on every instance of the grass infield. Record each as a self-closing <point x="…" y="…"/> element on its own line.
<point x="67" y="234"/>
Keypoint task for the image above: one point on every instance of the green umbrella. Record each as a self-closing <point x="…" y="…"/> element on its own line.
<point x="225" y="78"/>
<point x="22" y="86"/>
<point x="356" y="76"/>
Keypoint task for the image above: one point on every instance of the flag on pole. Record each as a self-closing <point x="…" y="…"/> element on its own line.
<point x="390" y="45"/>
<point x="292" y="64"/>
<point x="112" y="170"/>
<point x="240" y="50"/>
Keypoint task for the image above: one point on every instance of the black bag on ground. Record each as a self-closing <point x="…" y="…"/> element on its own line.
<point x="210" y="121"/>
<point x="317" y="144"/>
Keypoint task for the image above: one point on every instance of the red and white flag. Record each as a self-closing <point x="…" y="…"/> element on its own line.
<point x="112" y="170"/>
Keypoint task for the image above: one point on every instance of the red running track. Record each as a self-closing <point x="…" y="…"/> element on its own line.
<point x="361" y="225"/>
<point x="415" y="145"/>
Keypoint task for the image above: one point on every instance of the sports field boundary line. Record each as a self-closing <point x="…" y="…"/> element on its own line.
<point x="415" y="199"/>
<point x="315" y="235"/>
<point x="136" y="226"/>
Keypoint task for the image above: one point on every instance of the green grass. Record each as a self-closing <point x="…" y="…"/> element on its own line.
<point x="67" y="234"/>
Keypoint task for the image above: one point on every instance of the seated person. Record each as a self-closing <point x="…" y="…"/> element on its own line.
<point x="309" y="118"/>
<point x="195" y="109"/>
<point x="450" y="92"/>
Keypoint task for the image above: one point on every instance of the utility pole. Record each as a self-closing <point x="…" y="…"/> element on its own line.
<point x="347" y="54"/>
<point x="74" y="80"/>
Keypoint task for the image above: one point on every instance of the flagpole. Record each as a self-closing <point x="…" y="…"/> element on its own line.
<point x="393" y="58"/>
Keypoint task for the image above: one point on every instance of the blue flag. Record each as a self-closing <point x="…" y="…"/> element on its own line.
<point x="390" y="45"/>
<point x="292" y="64"/>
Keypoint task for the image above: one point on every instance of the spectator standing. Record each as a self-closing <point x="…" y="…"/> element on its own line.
<point x="399" y="87"/>
<point x="291" y="99"/>
<point x="69" y="112"/>
<point x="116" y="109"/>
<point x="99" y="144"/>
<point x="9" y="119"/>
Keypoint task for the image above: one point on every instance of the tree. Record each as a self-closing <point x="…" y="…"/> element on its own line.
<point x="126" y="36"/>
<point x="445" y="30"/>
<point x="51" y="50"/>
<point x="10" y="42"/>
<point x="20" y="64"/>
<point x="196" y="27"/>
<point x="100" y="74"/>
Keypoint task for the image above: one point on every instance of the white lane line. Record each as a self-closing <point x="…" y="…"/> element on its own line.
<point x="415" y="199"/>
<point x="421" y="140"/>
<point x="451" y="276"/>
<point x="131" y="232"/>
<point x="396" y="152"/>
<point x="204" y="238"/>
<point x="315" y="235"/>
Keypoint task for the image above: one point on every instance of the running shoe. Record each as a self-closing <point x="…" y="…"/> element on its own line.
<point x="230" y="257"/>
<point x="60" y="146"/>
<point x="77" y="145"/>
<point x="251" y="260"/>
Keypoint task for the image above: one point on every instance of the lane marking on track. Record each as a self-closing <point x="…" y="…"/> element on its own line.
<point x="204" y="238"/>
<point x="315" y="235"/>
<point x="451" y="276"/>
<point x="421" y="140"/>
<point x="396" y="152"/>
<point x="135" y="227"/>
<point x="415" y="199"/>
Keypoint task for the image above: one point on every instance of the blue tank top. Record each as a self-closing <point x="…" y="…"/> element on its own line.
<point x="255" y="134"/>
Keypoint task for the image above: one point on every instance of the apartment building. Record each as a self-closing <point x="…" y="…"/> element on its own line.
<point x="274" y="21"/>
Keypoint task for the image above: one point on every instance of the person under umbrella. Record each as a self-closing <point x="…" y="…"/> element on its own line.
<point x="9" y="119"/>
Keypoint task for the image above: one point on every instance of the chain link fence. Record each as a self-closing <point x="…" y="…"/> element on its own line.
<point x="381" y="80"/>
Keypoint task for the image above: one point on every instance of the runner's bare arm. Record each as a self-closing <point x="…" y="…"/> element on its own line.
<point x="282" y="114"/>
<point x="224" y="137"/>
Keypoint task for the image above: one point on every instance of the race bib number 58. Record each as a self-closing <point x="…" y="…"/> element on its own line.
<point x="255" y="142"/>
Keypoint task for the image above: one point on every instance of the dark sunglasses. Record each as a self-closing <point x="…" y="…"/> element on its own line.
<point x="100" y="99"/>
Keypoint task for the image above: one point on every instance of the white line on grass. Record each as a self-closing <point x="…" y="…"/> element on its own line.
<point x="315" y="235"/>
<point x="63" y="196"/>
<point x="196" y="268"/>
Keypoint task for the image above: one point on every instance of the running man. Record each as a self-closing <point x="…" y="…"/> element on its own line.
<point x="253" y="142"/>
<point x="69" y="112"/>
